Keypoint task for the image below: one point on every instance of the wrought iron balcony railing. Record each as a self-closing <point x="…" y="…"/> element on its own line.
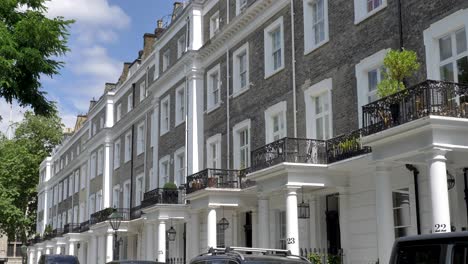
<point x="135" y="212"/>
<point x="163" y="196"/>
<point x="104" y="214"/>
<point x="84" y="226"/>
<point x="294" y="150"/>
<point x="217" y="178"/>
<point x="424" y="99"/>
<point x="345" y="146"/>
<point x="71" y="228"/>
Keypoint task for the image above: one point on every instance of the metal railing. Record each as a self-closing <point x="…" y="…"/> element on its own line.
<point x="295" y="150"/>
<point x="135" y="212"/>
<point x="345" y="146"/>
<point x="84" y="226"/>
<point x="163" y="196"/>
<point x="104" y="214"/>
<point x="424" y="99"/>
<point x="217" y="178"/>
<point x="71" y="228"/>
<point x="175" y="260"/>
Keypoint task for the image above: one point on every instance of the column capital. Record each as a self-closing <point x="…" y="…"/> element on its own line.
<point x="436" y="153"/>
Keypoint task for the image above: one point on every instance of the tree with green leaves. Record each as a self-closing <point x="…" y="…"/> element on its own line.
<point x="20" y="158"/>
<point x="30" y="44"/>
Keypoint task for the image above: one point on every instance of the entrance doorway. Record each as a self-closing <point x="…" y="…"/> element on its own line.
<point x="248" y="229"/>
<point x="333" y="223"/>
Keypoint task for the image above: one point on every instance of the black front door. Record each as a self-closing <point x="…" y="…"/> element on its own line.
<point x="333" y="224"/>
<point x="248" y="229"/>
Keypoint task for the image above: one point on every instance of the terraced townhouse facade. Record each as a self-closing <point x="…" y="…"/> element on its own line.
<point x="265" y="116"/>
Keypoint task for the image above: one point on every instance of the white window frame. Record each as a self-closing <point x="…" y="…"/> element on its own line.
<point x="165" y="115"/>
<point x="272" y="111"/>
<point x="180" y="105"/>
<point x="319" y="88"/>
<point x="84" y="173"/>
<point x="309" y="17"/>
<point x="99" y="200"/>
<point x="140" y="138"/>
<point x="214" y="24"/>
<point x="92" y="204"/>
<point x="408" y="227"/>
<point x="241" y="5"/>
<point x="213" y="141"/>
<point x="129" y="102"/>
<point x="126" y="194"/>
<point x="268" y="47"/>
<point x="179" y="169"/>
<point x="75" y="214"/>
<point x="118" y="114"/>
<point x="156" y="66"/>
<point x="361" y="13"/>
<point x="246" y="124"/>
<point x="166" y="60"/>
<point x="116" y="198"/>
<point x="210" y="104"/>
<point x="77" y="181"/>
<point x="237" y="85"/>
<point x="101" y="122"/>
<point x="128" y="146"/>
<point x="437" y="30"/>
<point x="117" y="151"/>
<point x="164" y="177"/>
<point x="181" y="46"/>
<point x="65" y="188"/>
<point x="374" y="61"/>
<point x="139" y="193"/>
<point x="142" y="90"/>
<point x="100" y="161"/>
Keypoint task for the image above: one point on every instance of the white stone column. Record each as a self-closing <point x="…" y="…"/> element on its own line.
<point x="162" y="241"/>
<point x="438" y="191"/>
<point x="384" y="212"/>
<point x="38" y="256"/>
<point x="81" y="251"/>
<point x="71" y="248"/>
<point x="255" y="228"/>
<point x="195" y="121"/>
<point x="31" y="257"/>
<point x="292" y="224"/>
<point x="264" y="222"/>
<point x="211" y="228"/>
<point x="109" y="246"/>
<point x="193" y="235"/>
<point x="49" y="250"/>
<point x="92" y="250"/>
<point x="106" y="177"/>
<point x="58" y="249"/>
<point x="313" y="235"/>
<point x="149" y="241"/>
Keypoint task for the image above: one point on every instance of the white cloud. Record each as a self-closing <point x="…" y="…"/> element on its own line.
<point x="95" y="62"/>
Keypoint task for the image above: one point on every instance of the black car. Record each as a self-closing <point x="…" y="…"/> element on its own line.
<point x="133" y="262"/>
<point x="442" y="248"/>
<point x="239" y="255"/>
<point x="58" y="259"/>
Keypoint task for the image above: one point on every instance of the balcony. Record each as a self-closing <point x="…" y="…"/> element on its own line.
<point x="104" y="214"/>
<point x="345" y="146"/>
<point x="135" y="212"/>
<point x="84" y="226"/>
<point x="218" y="178"/>
<point x="71" y="228"/>
<point x="422" y="100"/>
<point x="163" y="196"/>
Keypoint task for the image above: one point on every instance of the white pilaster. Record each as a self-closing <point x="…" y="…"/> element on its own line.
<point x="195" y="122"/>
<point x="438" y="191"/>
<point x="45" y="208"/>
<point x="92" y="250"/>
<point x="264" y="220"/>
<point x="71" y="248"/>
<point x="211" y="228"/>
<point x="384" y="212"/>
<point x="235" y="228"/>
<point x="154" y="181"/>
<point x="106" y="177"/>
<point x="162" y="241"/>
<point x="149" y="241"/>
<point x="110" y="111"/>
<point x="193" y="247"/>
<point x="109" y="247"/>
<point x="196" y="30"/>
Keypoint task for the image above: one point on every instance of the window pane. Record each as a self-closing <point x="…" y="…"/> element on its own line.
<point x="446" y="72"/>
<point x="427" y="254"/>
<point x="462" y="65"/>
<point x="460" y="254"/>
<point x="319" y="127"/>
<point x="461" y="41"/>
<point x="318" y="105"/>
<point x="445" y="47"/>
<point x="372" y="76"/>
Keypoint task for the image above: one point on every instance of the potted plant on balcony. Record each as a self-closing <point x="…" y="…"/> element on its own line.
<point x="169" y="192"/>
<point x="399" y="64"/>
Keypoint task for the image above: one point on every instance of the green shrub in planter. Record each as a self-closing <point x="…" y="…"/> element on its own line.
<point x="170" y="186"/>
<point x="315" y="258"/>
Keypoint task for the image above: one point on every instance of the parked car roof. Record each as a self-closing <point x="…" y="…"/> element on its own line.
<point x="449" y="237"/>
<point x="133" y="262"/>
<point x="58" y="259"/>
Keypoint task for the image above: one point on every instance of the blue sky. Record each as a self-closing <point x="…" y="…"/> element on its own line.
<point x="106" y="34"/>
